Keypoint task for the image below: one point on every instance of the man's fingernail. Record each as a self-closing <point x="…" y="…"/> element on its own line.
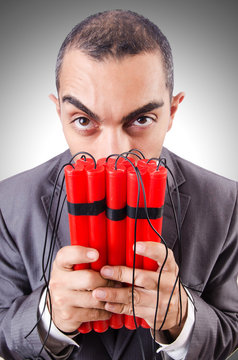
<point x="140" y="248"/>
<point x="107" y="271"/>
<point x="92" y="255"/>
<point x="100" y="294"/>
<point x="109" y="307"/>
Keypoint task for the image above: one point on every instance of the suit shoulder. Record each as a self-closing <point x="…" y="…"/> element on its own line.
<point x="203" y="175"/>
<point x="30" y="183"/>
<point x="205" y="184"/>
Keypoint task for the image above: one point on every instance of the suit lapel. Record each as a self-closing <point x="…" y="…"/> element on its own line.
<point x="63" y="235"/>
<point x="169" y="231"/>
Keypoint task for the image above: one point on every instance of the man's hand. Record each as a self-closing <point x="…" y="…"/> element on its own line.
<point x="71" y="291"/>
<point x="119" y="300"/>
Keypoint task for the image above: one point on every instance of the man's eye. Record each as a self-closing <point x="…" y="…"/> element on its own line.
<point x="83" y="123"/>
<point x="143" y="121"/>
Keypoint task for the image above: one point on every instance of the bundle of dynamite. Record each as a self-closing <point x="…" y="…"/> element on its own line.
<point x="109" y="203"/>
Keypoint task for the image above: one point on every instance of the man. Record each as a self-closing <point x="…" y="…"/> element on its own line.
<point x="114" y="78"/>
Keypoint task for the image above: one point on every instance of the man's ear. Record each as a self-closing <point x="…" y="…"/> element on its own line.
<point x="176" y="100"/>
<point x="56" y="102"/>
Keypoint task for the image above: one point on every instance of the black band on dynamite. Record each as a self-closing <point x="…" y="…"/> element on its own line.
<point x="97" y="207"/>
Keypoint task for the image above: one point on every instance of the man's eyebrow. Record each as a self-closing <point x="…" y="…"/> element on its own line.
<point x="77" y="103"/>
<point x="131" y="116"/>
<point x="143" y="110"/>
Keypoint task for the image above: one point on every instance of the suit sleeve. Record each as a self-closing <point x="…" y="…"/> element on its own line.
<point x="18" y="303"/>
<point x="215" y="333"/>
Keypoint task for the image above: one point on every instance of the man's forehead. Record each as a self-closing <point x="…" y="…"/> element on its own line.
<point x="113" y="86"/>
<point x="76" y="59"/>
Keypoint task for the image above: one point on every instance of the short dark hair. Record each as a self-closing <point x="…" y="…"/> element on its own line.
<point x="117" y="34"/>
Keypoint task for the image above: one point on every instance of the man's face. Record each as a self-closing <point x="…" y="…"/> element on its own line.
<point x="113" y="105"/>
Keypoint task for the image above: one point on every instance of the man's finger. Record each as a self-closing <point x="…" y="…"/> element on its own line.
<point x="143" y="312"/>
<point x="71" y="318"/>
<point x="142" y="297"/>
<point x="79" y="280"/>
<point x="143" y="278"/>
<point x="69" y="256"/>
<point x="77" y="299"/>
<point x="157" y="252"/>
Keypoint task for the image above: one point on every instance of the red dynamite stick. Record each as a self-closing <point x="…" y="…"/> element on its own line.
<point x="143" y="163"/>
<point x="126" y="163"/>
<point x="97" y="225"/>
<point x="116" y="223"/>
<point x="132" y="196"/>
<point x="112" y="160"/>
<point x="105" y="162"/>
<point x="87" y="161"/>
<point x="76" y="189"/>
<point x="155" y="195"/>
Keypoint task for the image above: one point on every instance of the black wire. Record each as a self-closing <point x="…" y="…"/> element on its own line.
<point x="44" y="267"/>
<point x="84" y="152"/>
<point x="134" y="254"/>
<point x="45" y="243"/>
<point x="49" y="261"/>
<point x="166" y="256"/>
<point x="121" y="155"/>
<point x="54" y="227"/>
<point x="57" y="208"/>
<point x="50" y="256"/>
<point x="111" y="156"/>
<point x="48" y="295"/>
<point x="178" y="227"/>
<point x="52" y="246"/>
<point x="167" y="309"/>
<point x="154" y="158"/>
<point x="177" y="219"/>
<point x="126" y="158"/>
<point x="133" y="269"/>
<point x="55" y="235"/>
<point x="180" y="303"/>
<point x="140" y="152"/>
<point x="162" y="266"/>
<point x="130" y="153"/>
<point x="126" y="153"/>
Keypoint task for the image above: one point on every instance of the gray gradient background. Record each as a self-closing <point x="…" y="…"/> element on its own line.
<point x="203" y="36"/>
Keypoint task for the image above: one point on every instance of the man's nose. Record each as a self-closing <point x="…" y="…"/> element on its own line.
<point x="114" y="141"/>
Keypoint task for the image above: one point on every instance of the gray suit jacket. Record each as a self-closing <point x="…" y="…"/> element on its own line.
<point x="209" y="265"/>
